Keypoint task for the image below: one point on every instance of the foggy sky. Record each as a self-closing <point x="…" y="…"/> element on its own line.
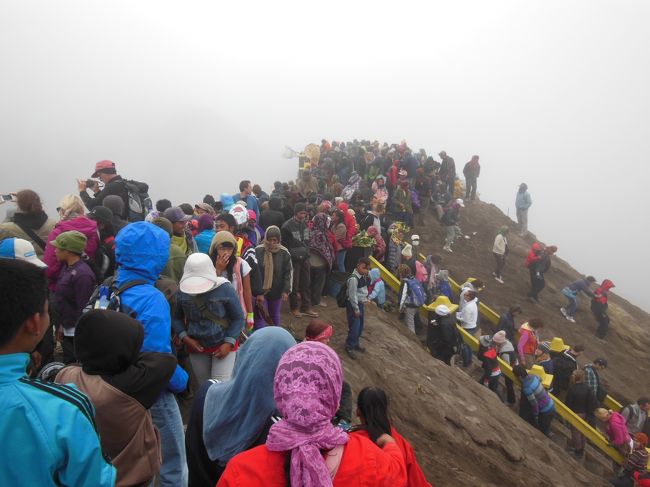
<point x="192" y="97"/>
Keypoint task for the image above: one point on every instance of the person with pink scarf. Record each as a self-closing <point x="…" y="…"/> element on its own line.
<point x="308" y="384"/>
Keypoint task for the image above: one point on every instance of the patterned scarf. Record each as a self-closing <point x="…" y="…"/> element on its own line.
<point x="308" y="384"/>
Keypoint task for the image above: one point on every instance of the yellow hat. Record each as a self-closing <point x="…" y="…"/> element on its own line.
<point x="558" y="346"/>
<point x="444" y="300"/>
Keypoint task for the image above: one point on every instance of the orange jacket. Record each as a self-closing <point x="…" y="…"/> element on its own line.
<point x="364" y="464"/>
<point x="414" y="474"/>
<point x="530" y="343"/>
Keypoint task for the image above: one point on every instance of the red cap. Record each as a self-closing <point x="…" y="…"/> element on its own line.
<point x="105" y="164"/>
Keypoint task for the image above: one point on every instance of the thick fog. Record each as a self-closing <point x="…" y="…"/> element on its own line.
<point x="192" y="97"/>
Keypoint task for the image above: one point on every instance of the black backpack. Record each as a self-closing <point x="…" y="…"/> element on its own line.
<point x="165" y="285"/>
<point x="138" y="201"/>
<point x="342" y="295"/>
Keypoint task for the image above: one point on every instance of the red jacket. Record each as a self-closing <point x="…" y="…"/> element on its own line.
<point x="534" y="254"/>
<point x="414" y="474"/>
<point x="364" y="464"/>
<point x="601" y="294"/>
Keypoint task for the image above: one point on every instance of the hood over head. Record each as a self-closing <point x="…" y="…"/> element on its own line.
<point x="141" y="251"/>
<point x="107" y="342"/>
<point x="375" y="274"/>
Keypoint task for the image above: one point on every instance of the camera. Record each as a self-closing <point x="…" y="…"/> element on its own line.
<point x="90" y="183"/>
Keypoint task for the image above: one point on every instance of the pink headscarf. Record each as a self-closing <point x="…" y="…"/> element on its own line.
<point x="308" y="384"/>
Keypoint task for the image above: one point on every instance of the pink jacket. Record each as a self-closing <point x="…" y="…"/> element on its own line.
<point x="81" y="224"/>
<point x="617" y="430"/>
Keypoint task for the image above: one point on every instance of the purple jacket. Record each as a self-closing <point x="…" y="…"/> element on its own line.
<point x="73" y="289"/>
<point x="82" y="224"/>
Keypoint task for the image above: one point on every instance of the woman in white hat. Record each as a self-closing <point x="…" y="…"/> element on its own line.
<point x="208" y="319"/>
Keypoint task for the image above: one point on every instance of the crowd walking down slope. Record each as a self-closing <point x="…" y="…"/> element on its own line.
<point x="121" y="314"/>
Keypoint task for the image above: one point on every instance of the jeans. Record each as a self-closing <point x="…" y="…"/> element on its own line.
<point x="273" y="306"/>
<point x="167" y="418"/>
<point x="522" y="220"/>
<point x="501" y="263"/>
<point x="355" y="326"/>
<point x="301" y="284"/>
<point x="206" y="366"/>
<point x="572" y="307"/>
<point x="470" y="188"/>
<point x="340" y="260"/>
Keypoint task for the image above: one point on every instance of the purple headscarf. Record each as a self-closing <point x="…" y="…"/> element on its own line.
<point x="319" y="240"/>
<point x="205" y="222"/>
<point x="308" y="384"/>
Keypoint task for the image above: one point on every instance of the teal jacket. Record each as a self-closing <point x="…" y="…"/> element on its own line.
<point x="49" y="432"/>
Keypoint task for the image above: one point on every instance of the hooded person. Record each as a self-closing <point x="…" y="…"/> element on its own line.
<point x="230" y="417"/>
<point x="205" y="227"/>
<point x="377" y="288"/>
<point x="208" y="319"/>
<point x="321" y="255"/>
<point x="116" y="205"/>
<point x="277" y="276"/>
<point x="122" y="384"/>
<point x="141" y="252"/>
<point x="599" y="305"/>
<point x="307" y="391"/>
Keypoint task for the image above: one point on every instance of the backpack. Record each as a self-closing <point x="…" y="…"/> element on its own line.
<point x="139" y="203"/>
<point x="421" y="273"/>
<point x="342" y="295"/>
<point x="165" y="285"/>
<point x="416" y="295"/>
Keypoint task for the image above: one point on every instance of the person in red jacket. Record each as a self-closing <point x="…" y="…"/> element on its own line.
<point x="305" y="443"/>
<point x="372" y="410"/>
<point x="599" y="307"/>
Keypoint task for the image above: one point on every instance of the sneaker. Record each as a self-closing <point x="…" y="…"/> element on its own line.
<point x="322" y="304"/>
<point x="296" y="313"/>
<point x="571" y="319"/>
<point x="311" y="313"/>
<point x="350" y="353"/>
<point x="498" y="279"/>
<point x="563" y="311"/>
<point x="361" y="349"/>
<point x="494" y="274"/>
<point x="447" y="248"/>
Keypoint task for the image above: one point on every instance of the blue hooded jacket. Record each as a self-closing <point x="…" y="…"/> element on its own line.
<point x="141" y="252"/>
<point x="379" y="288"/>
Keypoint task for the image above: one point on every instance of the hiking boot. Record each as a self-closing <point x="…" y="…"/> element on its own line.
<point x="351" y="353"/>
<point x="498" y="279"/>
<point x="311" y="313"/>
<point x="296" y="313"/>
<point x="361" y="349"/>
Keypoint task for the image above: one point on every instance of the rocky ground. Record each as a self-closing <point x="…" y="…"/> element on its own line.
<point x="463" y="434"/>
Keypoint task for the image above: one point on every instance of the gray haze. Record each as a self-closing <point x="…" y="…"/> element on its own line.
<point x="193" y="96"/>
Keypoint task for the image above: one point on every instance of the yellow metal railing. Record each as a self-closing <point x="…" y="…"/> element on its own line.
<point x="493" y="317"/>
<point x="593" y="435"/>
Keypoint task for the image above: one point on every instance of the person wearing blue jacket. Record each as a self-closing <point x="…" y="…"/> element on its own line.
<point x="378" y="288"/>
<point x="141" y="252"/>
<point x="523" y="201"/>
<point x="50" y="432"/>
<point x="571" y="292"/>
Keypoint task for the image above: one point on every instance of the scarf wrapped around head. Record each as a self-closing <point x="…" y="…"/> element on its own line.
<point x="319" y="241"/>
<point x="270" y="249"/>
<point x="307" y="392"/>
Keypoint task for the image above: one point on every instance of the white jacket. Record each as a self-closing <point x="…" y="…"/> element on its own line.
<point x="469" y="316"/>
<point x="500" y="244"/>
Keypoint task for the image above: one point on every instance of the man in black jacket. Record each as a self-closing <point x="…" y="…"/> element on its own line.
<point x="113" y="185"/>
<point x="274" y="215"/>
<point x="295" y="236"/>
<point x="564" y="364"/>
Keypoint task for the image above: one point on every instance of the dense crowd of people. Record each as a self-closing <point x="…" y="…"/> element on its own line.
<point x="170" y="307"/>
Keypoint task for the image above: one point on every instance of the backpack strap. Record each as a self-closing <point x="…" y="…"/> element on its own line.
<point x="32" y="234"/>
<point x="128" y="285"/>
<point x="206" y="313"/>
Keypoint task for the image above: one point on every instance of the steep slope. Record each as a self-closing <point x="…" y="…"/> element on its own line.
<point x="462" y="433"/>
<point x="627" y="343"/>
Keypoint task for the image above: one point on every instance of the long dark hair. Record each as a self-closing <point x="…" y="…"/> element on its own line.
<point x="231" y="262"/>
<point x="373" y="405"/>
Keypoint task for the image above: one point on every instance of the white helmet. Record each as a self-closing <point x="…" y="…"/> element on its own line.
<point x="240" y="213"/>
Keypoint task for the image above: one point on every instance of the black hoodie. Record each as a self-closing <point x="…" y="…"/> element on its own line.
<point x="108" y="343"/>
